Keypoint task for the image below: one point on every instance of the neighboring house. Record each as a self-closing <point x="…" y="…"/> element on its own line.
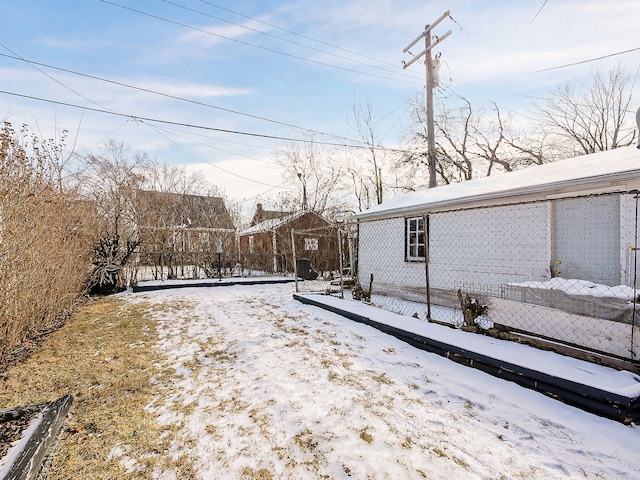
<point x="267" y="245"/>
<point x="575" y="219"/>
<point x="171" y="222"/>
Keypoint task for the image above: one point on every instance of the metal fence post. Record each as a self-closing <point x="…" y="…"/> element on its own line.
<point x="341" y="262"/>
<point x="635" y="278"/>
<point x="295" y="264"/>
<point x="426" y="264"/>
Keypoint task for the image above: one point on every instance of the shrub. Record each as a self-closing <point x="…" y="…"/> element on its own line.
<point x="47" y="236"/>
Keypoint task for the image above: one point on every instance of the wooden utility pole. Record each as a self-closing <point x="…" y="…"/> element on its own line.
<point x="428" y="46"/>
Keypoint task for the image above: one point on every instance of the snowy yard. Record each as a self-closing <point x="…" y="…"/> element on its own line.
<point x="266" y="387"/>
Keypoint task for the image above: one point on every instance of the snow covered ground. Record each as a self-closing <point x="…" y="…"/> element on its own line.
<point x="266" y="387"/>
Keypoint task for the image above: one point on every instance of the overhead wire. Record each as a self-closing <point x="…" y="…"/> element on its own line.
<point x="585" y="61"/>
<point x="255" y="30"/>
<point x="34" y="65"/>
<point x="175" y="97"/>
<point x="155" y="92"/>
<point x="141" y="119"/>
<point x="261" y="47"/>
<point x="103" y="109"/>
<point x="538" y="12"/>
<point x="297" y="34"/>
<point x="216" y="138"/>
<point x="228" y="172"/>
<point x="180" y="134"/>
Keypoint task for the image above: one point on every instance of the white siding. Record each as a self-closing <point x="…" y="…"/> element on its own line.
<point x="628" y="239"/>
<point x="586" y="238"/>
<point x="381" y="251"/>
<point x="492" y="246"/>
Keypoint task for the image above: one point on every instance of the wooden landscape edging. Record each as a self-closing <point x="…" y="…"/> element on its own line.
<point x="594" y="400"/>
<point x="212" y="283"/>
<point x="29" y="460"/>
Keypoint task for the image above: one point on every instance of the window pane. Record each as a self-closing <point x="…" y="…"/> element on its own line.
<point x="415" y="240"/>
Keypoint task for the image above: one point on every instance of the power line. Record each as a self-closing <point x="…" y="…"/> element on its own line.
<point x="147" y="90"/>
<point x="271" y="187"/>
<point x="158" y="130"/>
<point x="166" y="95"/>
<point x="298" y="34"/>
<point x="180" y="134"/>
<point x="535" y="97"/>
<point x="286" y="40"/>
<point x="538" y="12"/>
<point x="200" y="127"/>
<point x="217" y="139"/>
<point x="33" y="64"/>
<point x="585" y="61"/>
<point x="157" y="17"/>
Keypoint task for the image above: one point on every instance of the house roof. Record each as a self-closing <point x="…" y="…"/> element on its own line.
<point x="190" y="211"/>
<point x="275" y="223"/>
<point x="602" y="172"/>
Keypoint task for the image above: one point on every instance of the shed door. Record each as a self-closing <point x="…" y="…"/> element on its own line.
<point x="586" y="239"/>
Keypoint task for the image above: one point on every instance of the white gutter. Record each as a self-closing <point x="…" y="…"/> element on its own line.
<point x="617" y="182"/>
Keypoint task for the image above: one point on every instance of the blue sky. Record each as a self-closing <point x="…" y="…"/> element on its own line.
<point x="184" y="48"/>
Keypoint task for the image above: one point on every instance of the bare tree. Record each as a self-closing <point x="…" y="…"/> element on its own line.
<point x="472" y="142"/>
<point x="174" y="179"/>
<point x="591" y="117"/>
<point x="314" y="172"/>
<point x="111" y="180"/>
<point x="362" y="121"/>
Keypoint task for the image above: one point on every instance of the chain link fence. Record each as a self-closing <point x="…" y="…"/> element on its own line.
<point x="563" y="269"/>
<point x="182" y="265"/>
<point x="319" y="259"/>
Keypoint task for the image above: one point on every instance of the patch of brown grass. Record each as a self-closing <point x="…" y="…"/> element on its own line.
<point x="105" y="357"/>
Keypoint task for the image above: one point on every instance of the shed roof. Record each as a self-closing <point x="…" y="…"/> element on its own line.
<point x="602" y="172"/>
<point x="275" y="223"/>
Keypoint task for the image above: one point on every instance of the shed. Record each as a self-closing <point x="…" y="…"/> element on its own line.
<point x="573" y="220"/>
<point x="267" y="245"/>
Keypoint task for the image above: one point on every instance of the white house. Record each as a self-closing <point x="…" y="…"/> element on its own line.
<point x="573" y="219"/>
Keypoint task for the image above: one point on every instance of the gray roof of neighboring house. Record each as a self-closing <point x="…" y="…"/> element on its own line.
<point x="190" y="211"/>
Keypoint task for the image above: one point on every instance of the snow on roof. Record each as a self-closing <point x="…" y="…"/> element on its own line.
<point x="274" y="223"/>
<point x="612" y="170"/>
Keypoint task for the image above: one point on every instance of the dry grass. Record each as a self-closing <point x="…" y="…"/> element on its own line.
<point x="105" y="357"/>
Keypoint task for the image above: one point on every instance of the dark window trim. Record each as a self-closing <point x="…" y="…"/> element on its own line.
<point x="425" y="230"/>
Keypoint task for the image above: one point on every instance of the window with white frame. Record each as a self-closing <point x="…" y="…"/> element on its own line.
<point x="252" y="246"/>
<point x="415" y="239"/>
<point x="311" y="244"/>
<point x="203" y="239"/>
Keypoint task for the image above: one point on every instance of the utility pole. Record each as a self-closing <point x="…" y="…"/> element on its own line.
<point x="428" y="45"/>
